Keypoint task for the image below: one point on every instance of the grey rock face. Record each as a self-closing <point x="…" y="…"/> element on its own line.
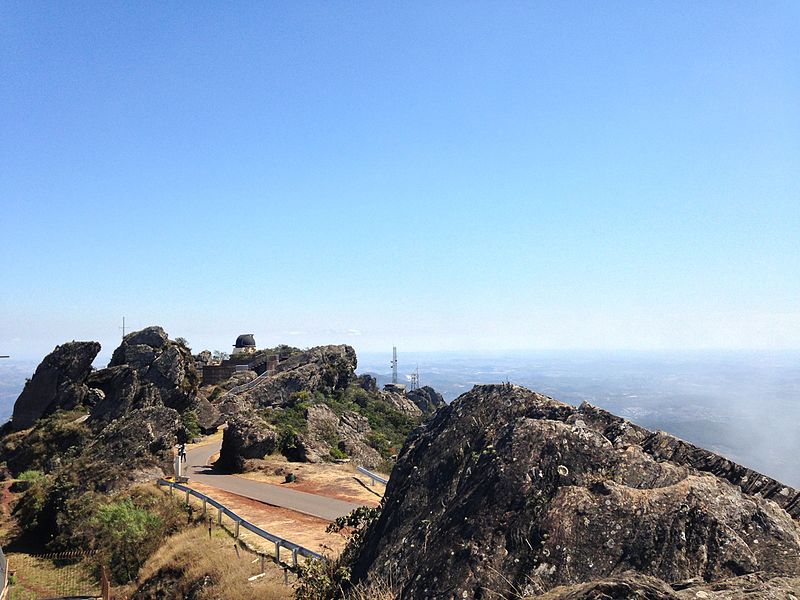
<point x="57" y="383"/>
<point x="247" y="436"/>
<point x="510" y="491"/>
<point x="347" y="433"/>
<point x="427" y="399"/>
<point x="146" y="370"/>
<point x="400" y="402"/>
<point x="137" y="447"/>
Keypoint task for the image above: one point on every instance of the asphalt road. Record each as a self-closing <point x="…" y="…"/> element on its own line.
<point x="198" y="470"/>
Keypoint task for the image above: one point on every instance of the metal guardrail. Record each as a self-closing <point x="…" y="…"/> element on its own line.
<point x="372" y="476"/>
<point x="279" y="542"/>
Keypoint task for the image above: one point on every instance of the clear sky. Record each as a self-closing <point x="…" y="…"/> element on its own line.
<point x="432" y="175"/>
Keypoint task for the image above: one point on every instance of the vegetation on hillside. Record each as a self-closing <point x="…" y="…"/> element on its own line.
<point x="390" y="427"/>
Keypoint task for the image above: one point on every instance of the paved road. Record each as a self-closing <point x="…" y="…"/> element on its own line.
<point x="198" y="470"/>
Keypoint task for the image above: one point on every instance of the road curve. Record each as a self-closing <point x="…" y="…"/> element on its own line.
<point x="197" y="468"/>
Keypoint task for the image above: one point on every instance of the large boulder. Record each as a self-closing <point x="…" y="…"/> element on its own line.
<point x="57" y="383"/>
<point x="247" y="436"/>
<point x="427" y="399"/>
<point x="506" y="492"/>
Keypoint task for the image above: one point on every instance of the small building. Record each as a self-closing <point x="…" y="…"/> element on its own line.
<point x="245" y="357"/>
<point x="245" y="344"/>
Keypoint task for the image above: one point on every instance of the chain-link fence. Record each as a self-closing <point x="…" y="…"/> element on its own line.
<point x="66" y="574"/>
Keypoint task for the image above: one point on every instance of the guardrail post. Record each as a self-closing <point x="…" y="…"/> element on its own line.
<point x="236" y="530"/>
<point x="171" y="489"/>
<point x="285" y="576"/>
<point x="373" y="481"/>
<point x="263" y="564"/>
<point x="219" y="516"/>
<point x="187" y="496"/>
<point x="205" y="509"/>
<point x="294" y="557"/>
<point x="277" y="551"/>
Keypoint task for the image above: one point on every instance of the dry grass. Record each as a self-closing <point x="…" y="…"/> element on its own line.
<point x="39" y="577"/>
<point x="194" y="556"/>
<point x="376" y="590"/>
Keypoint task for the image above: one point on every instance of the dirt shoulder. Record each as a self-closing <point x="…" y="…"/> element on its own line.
<point x="296" y="527"/>
<point x="334" y="480"/>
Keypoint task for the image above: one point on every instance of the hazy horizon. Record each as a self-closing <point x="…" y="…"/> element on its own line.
<point x="742" y="404"/>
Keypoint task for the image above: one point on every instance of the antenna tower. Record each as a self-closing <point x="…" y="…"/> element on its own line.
<point x="415" y="379"/>
<point x="394" y="364"/>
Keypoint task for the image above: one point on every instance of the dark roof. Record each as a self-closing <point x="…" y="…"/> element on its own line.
<point x="245" y="341"/>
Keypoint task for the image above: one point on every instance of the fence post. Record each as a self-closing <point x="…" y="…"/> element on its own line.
<point x="105" y="586"/>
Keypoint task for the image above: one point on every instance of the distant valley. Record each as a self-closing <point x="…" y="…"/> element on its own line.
<point x="744" y="405"/>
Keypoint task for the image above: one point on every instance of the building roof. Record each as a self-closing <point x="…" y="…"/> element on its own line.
<point x="245" y="340"/>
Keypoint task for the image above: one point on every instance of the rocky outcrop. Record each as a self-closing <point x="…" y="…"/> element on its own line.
<point x="400" y="402"/>
<point x="427" y="399"/>
<point x="133" y="449"/>
<point x="147" y="370"/>
<point x="506" y="492"/>
<point x="347" y="433"/>
<point x="57" y="383"/>
<point x="324" y="368"/>
<point x="368" y="383"/>
<point x="247" y="437"/>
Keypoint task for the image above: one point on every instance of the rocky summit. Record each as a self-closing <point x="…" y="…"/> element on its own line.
<point x="508" y="493"/>
<point x="57" y="383"/>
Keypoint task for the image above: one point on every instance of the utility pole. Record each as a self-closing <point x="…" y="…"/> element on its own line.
<point x="123" y="327"/>
<point x="394" y="364"/>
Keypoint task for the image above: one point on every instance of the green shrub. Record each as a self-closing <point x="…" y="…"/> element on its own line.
<point x="30" y="508"/>
<point x="336" y="453"/>
<point x="129" y="535"/>
<point x="191" y="426"/>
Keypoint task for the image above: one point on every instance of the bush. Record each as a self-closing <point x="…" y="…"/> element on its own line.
<point x="337" y="453"/>
<point x="29" y="509"/>
<point x="191" y="426"/>
<point x="129" y="535"/>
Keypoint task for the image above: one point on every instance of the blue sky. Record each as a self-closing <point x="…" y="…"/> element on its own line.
<point x="446" y="176"/>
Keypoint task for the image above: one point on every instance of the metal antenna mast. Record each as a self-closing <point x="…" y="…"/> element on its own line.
<point x="415" y="379"/>
<point x="123" y="327"/>
<point x="394" y="364"/>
